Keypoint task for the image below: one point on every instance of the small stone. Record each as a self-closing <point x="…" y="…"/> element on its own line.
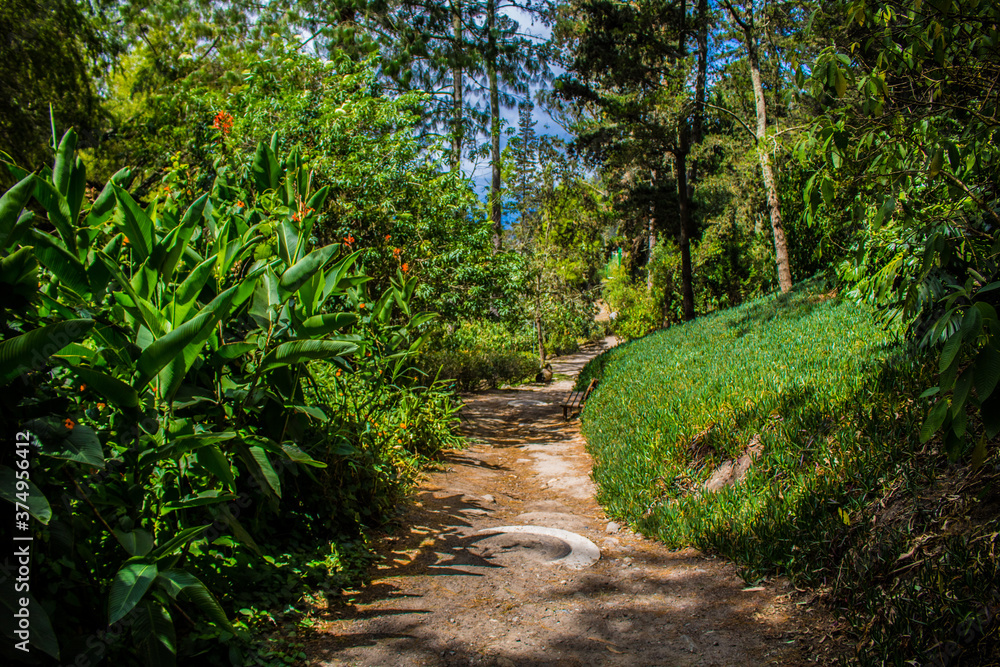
<point x="489" y="499"/>
<point x="613" y="528"/>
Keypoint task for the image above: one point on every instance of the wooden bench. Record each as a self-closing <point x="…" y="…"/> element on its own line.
<point x="574" y="402"/>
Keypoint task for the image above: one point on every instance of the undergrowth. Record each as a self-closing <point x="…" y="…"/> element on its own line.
<point x="827" y="396"/>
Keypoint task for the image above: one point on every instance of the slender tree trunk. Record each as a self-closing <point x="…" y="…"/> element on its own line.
<point x="541" y="335"/>
<point x="780" y="246"/>
<point x="458" y="88"/>
<point x="651" y="241"/>
<point x="496" y="211"/>
<point x="684" y="194"/>
<point x="684" y="239"/>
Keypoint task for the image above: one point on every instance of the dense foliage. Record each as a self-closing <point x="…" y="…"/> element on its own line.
<point x="160" y="361"/>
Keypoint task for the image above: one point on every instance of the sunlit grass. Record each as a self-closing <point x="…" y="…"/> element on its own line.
<point x="807" y="374"/>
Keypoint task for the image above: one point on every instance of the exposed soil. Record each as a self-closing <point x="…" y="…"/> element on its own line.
<point x="445" y="594"/>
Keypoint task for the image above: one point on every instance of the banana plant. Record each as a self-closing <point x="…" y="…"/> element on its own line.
<point x="196" y="333"/>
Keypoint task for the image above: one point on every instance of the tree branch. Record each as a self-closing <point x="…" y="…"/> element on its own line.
<point x="738" y="119"/>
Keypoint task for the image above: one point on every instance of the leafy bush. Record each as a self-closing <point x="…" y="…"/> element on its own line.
<point x="156" y="363"/>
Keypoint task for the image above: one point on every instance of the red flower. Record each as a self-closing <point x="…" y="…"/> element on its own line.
<point x="388" y="236"/>
<point x="223" y="122"/>
<point x="348" y="239"/>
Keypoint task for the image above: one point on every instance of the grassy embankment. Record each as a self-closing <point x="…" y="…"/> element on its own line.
<point x="843" y="497"/>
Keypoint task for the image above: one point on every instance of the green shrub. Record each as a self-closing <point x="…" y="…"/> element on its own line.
<point x="156" y="362"/>
<point x="480" y="368"/>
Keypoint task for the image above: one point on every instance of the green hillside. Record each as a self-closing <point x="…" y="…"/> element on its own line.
<point x="825" y="394"/>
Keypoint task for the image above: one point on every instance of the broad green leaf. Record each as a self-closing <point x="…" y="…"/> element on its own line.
<point x="67" y="440"/>
<point x="935" y="419"/>
<point x="19" y="274"/>
<point x="172" y="545"/>
<point x="961" y="393"/>
<point x="111" y="388"/>
<point x="175" y="344"/>
<point x="77" y="186"/>
<point x="266" y="304"/>
<point x="266" y="469"/>
<point x="201" y="500"/>
<point x="135" y="224"/>
<point x="189" y="222"/>
<point x="104" y="205"/>
<point x="31" y="350"/>
<point x="37" y="503"/>
<point x="54" y="256"/>
<point x="63" y="167"/>
<point x="265" y="168"/>
<point x="320" y="325"/>
<point x="950" y="351"/>
<point x="128" y="588"/>
<point x="189" y="290"/>
<point x="153" y="630"/>
<point x="11" y="205"/>
<point x="58" y="210"/>
<point x="213" y="460"/>
<point x="304" y="269"/>
<point x="297" y="455"/>
<point x="179" y="583"/>
<point x="296" y="351"/>
<point x="137" y="542"/>
<point x="987" y="367"/>
<point x="235" y="350"/>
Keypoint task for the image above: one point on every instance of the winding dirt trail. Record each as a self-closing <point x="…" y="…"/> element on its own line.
<point x="446" y="594"/>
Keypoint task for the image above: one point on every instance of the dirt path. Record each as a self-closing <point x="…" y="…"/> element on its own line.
<point x="446" y="594"/>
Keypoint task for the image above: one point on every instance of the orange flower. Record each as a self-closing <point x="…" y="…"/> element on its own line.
<point x="125" y="237"/>
<point x="69" y="423"/>
<point x="396" y="251"/>
<point x="83" y="387"/>
<point x="348" y="239"/>
<point x="338" y="372"/>
<point x="101" y="406"/>
<point x="361" y="305"/>
<point x="406" y="267"/>
<point x="223" y="122"/>
<point x="239" y="204"/>
<point x="388" y="236"/>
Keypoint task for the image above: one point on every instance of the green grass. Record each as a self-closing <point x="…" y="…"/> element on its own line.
<point x="804" y="373"/>
<point x="843" y="487"/>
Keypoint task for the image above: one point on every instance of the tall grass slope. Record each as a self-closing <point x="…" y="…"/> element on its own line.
<point x="804" y="376"/>
<point x="900" y="542"/>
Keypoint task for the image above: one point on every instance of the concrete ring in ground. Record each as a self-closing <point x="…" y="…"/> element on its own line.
<point x="582" y="552"/>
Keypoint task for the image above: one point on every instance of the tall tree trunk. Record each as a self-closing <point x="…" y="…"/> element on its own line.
<point x="700" y="82"/>
<point x="780" y="246"/>
<point x="684" y="239"/>
<point x="541" y="335"/>
<point x="496" y="211"/>
<point x="651" y="241"/>
<point x="683" y="193"/>
<point x="458" y="87"/>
